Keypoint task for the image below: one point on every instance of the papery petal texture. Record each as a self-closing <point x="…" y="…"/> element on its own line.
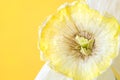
<point x="57" y="34"/>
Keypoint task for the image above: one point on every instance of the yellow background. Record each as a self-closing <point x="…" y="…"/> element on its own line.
<point x="19" y="21"/>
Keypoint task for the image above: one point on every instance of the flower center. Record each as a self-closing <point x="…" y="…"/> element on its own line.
<point x="85" y="45"/>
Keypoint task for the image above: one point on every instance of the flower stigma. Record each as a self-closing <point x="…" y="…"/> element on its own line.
<point x="85" y="45"/>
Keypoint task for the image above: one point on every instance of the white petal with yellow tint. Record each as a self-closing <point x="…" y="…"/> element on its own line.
<point x="68" y="21"/>
<point x="111" y="7"/>
<point x="46" y="73"/>
<point x="107" y="75"/>
<point x="101" y="27"/>
<point x="106" y="7"/>
<point x="116" y="61"/>
<point x="116" y="64"/>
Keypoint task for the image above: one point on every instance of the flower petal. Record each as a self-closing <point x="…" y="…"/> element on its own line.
<point x="47" y="73"/>
<point x="107" y="75"/>
<point x="103" y="29"/>
<point x="68" y="21"/>
<point x="116" y="64"/>
<point x="110" y="6"/>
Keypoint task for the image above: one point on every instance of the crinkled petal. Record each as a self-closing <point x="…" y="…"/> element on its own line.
<point x="68" y="21"/>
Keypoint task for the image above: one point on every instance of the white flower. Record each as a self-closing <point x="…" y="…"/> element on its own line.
<point x="81" y="42"/>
